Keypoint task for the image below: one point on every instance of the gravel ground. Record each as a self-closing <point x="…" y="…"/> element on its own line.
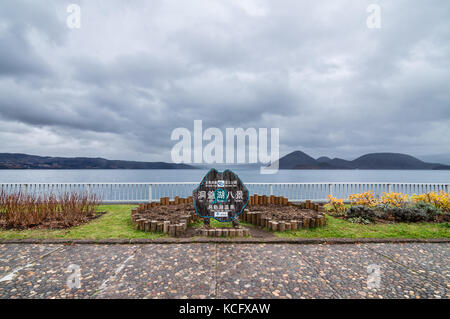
<point x="226" y="271"/>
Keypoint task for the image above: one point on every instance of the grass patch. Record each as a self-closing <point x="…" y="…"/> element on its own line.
<point x="116" y="223"/>
<point x="338" y="228"/>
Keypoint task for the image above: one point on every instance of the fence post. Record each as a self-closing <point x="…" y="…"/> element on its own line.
<point x="150" y="195"/>
<point x="271" y="189"/>
<point x="330" y="189"/>
<point x="88" y="189"/>
<point x="389" y="188"/>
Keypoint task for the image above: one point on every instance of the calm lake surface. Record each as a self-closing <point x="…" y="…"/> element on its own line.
<point x="247" y="175"/>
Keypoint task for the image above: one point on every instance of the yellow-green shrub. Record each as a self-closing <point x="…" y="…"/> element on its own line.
<point x="439" y="200"/>
<point x="336" y="205"/>
<point x="363" y="199"/>
<point x="394" y="199"/>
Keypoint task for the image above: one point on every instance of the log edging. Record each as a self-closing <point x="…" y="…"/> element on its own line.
<point x="256" y="218"/>
<point x="174" y="229"/>
<point x="223" y="232"/>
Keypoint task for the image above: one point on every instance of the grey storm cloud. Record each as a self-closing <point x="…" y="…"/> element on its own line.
<point x="135" y="71"/>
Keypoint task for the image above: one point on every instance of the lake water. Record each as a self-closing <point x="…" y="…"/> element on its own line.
<point x="247" y="175"/>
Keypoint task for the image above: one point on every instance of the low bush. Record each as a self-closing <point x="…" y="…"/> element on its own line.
<point x="20" y="210"/>
<point x="409" y="214"/>
<point x="362" y="212"/>
<point x="383" y="208"/>
<point x="419" y="212"/>
<point x="429" y="209"/>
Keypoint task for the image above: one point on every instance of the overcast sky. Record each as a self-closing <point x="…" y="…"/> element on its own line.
<point x="136" y="70"/>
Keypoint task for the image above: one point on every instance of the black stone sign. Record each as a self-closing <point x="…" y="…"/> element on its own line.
<point x="221" y="195"/>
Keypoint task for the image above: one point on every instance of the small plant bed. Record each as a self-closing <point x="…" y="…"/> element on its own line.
<point x="278" y="214"/>
<point x="279" y="218"/>
<point x="391" y="208"/>
<point x="166" y="217"/>
<point x="175" y="217"/>
<point x="23" y="211"/>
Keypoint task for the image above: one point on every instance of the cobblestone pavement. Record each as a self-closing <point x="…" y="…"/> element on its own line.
<point x="225" y="271"/>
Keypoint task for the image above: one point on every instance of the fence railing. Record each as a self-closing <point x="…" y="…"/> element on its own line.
<point x="148" y="192"/>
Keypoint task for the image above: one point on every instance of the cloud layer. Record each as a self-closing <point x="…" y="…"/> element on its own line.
<point x="135" y="71"/>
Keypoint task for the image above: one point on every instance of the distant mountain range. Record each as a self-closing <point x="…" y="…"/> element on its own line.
<point x="301" y="160"/>
<point x="24" y="161"/>
<point x="294" y="160"/>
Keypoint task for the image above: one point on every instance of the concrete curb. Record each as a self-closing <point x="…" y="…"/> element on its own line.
<point x="205" y="240"/>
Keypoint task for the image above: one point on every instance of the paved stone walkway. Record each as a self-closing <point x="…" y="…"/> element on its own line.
<point x="226" y="271"/>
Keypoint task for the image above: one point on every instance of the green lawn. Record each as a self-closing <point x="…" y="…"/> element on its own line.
<point x="117" y="224"/>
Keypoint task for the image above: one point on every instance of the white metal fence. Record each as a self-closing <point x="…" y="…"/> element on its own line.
<point x="148" y="192"/>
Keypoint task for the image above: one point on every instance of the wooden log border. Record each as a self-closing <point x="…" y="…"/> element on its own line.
<point x="256" y="218"/>
<point x="223" y="232"/>
<point x="175" y="229"/>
